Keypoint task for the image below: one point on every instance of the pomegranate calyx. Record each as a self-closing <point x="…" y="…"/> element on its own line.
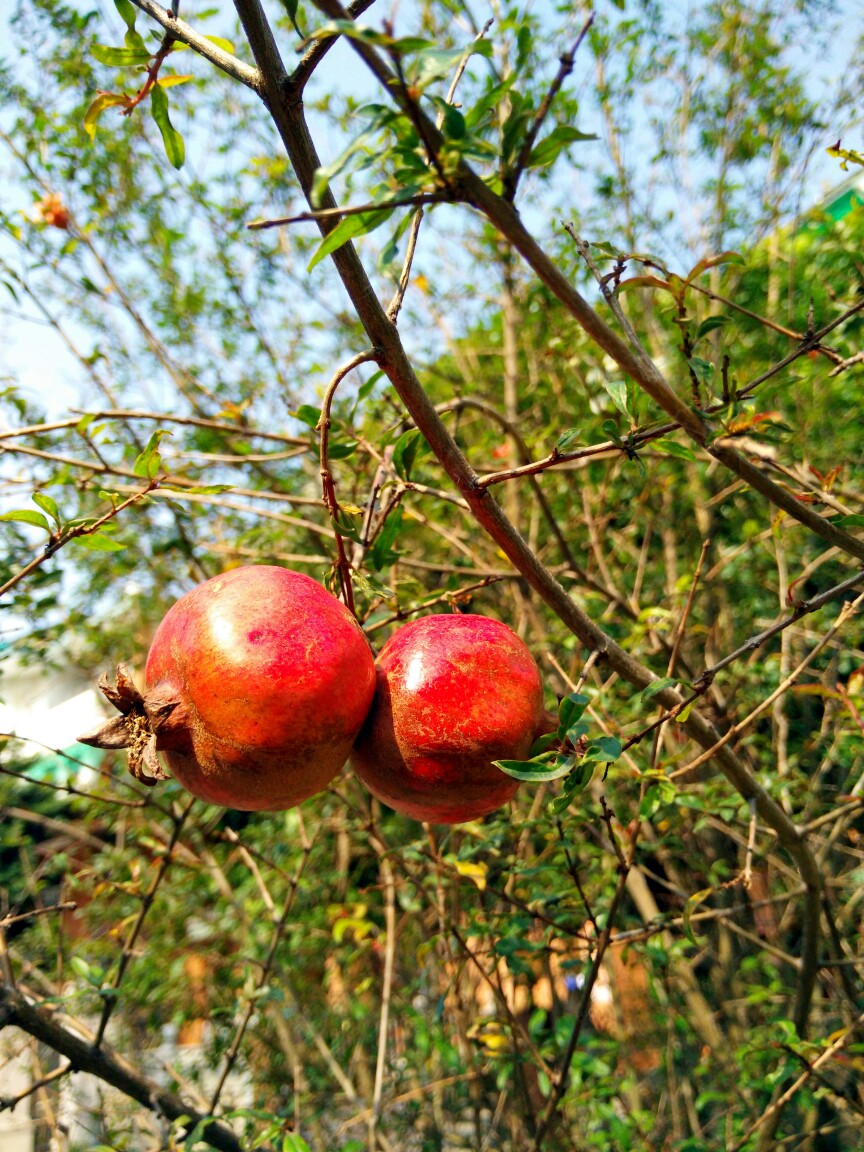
<point x="136" y="728"/>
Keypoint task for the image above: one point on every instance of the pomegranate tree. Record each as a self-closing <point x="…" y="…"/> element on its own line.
<point x="454" y="694"/>
<point x="256" y="686"/>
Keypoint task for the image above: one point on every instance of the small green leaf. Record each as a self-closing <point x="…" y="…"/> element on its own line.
<point x="357" y="225"/>
<point x="342" y="451"/>
<point x="658" y="686"/>
<point x="198" y="489"/>
<point x="531" y="771"/>
<point x="684" y="714"/>
<point x="852" y="521"/>
<point x="710" y="325"/>
<point x="47" y="505"/>
<point x="604" y="748"/>
<point x="569" y="711"/>
<point x="149" y="462"/>
<point x="617" y="389"/>
<point x="405" y="452"/>
<point x="127" y="12"/>
<point x="611" y="430"/>
<point x="382" y="553"/>
<point x="308" y="414"/>
<point x="703" y="370"/>
<point x="548" y="150"/>
<point x="119" y="57"/>
<point x="291" y="1142"/>
<point x="25" y="516"/>
<point x="689" y="908"/>
<point x="567" y="440"/>
<point x="98" y="542"/>
<point x="673" y="448"/>
<point x="454" y="123"/>
<point x="174" y="148"/>
<point x="579" y="777"/>
<point x="345" y="526"/>
<point x="543" y="744"/>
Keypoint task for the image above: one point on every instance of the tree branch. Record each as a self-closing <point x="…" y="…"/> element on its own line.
<point x="83" y="1056"/>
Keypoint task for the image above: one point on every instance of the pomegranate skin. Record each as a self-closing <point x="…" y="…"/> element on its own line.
<point x="454" y="693"/>
<point x="274" y="678"/>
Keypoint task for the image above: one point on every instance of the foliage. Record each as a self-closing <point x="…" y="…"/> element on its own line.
<point x="659" y="940"/>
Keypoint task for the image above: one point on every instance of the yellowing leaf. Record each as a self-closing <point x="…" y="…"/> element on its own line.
<point x="103" y="100"/>
<point x="476" y="873"/>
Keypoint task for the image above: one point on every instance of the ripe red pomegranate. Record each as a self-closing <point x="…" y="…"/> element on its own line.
<point x="454" y="693"/>
<point x="257" y="683"/>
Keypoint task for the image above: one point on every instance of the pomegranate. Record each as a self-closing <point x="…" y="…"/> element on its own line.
<point x="257" y="683"/>
<point x="454" y="693"/>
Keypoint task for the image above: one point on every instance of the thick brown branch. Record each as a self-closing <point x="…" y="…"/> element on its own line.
<point x="111" y="1068"/>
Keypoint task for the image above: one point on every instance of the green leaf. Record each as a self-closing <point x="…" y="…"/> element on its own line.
<point x="198" y="489"/>
<point x="486" y="103"/>
<point x="341" y="451"/>
<point x="120" y="57"/>
<point x="531" y="771"/>
<point x="382" y="554"/>
<point x="357" y="225"/>
<point x="47" y="505"/>
<point x="290" y="7"/>
<point x="148" y="463"/>
<point x="174" y="148"/>
<point x="684" y="714"/>
<point x="569" y="711"/>
<point x="611" y="430"/>
<point x="543" y="744"/>
<point x="852" y="521"/>
<point x="617" y="390"/>
<point x="454" y="123"/>
<point x="308" y="414"/>
<point x="658" y="686"/>
<point x="710" y="325"/>
<point x="345" y="526"/>
<point x="673" y="448"/>
<point x="703" y="370"/>
<point x="98" y="542"/>
<point x="605" y="748"/>
<point x="405" y="452"/>
<point x="291" y="1142"/>
<point x="134" y="42"/>
<point x="548" y="150"/>
<point x="25" y="516"/>
<point x="567" y="440"/>
<point x="432" y="64"/>
<point x="689" y="908"/>
<point x="103" y="100"/>
<point x="127" y="12"/>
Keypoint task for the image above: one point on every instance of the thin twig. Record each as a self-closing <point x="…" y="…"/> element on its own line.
<point x="62" y="536"/>
<point x="389" y="883"/>
<point x="343" y="565"/>
<point x="110" y="992"/>
<point x="567" y="59"/>
<point x="350" y="210"/>
<point x="264" y="975"/>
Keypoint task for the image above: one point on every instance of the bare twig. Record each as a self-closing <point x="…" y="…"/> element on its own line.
<point x="343" y="566"/>
<point x="511" y="180"/>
